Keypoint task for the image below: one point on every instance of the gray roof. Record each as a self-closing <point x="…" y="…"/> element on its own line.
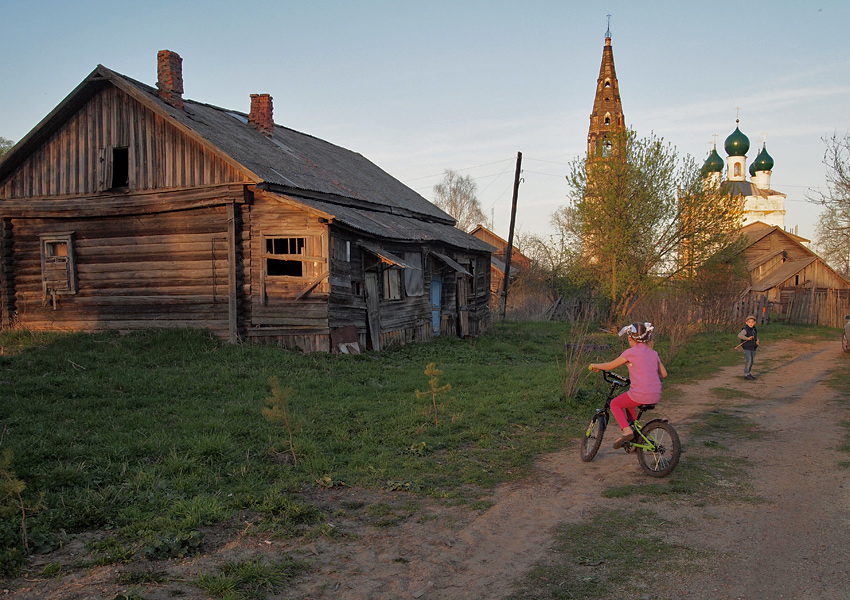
<point x="352" y="190"/>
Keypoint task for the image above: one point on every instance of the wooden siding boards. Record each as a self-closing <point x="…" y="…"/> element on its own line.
<point x="784" y="269"/>
<point x="72" y="161"/>
<point x="183" y="243"/>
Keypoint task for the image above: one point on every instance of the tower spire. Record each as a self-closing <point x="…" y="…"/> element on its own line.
<point x="607" y="118"/>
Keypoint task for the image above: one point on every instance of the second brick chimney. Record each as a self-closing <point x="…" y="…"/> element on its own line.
<point x="169" y="71"/>
<point x="261" y="114"/>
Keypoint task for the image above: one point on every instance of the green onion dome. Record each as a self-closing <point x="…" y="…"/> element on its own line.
<point x="763" y="162"/>
<point x="713" y="164"/>
<point x="737" y="144"/>
<point x="753" y="170"/>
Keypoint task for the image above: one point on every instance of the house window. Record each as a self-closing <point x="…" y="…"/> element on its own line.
<point x="342" y="250"/>
<point x="120" y="167"/>
<point x="414" y="278"/>
<point x="58" y="267"/>
<point x="392" y="283"/>
<point x="288" y="257"/>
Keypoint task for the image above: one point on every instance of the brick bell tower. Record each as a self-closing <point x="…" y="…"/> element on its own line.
<point x="607" y="118"/>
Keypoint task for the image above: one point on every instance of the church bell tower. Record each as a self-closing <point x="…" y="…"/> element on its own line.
<point x="607" y="119"/>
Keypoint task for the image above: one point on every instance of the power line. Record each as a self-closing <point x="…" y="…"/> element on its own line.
<point x="461" y="170"/>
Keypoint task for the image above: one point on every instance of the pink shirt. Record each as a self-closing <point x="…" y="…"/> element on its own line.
<point x="643" y="371"/>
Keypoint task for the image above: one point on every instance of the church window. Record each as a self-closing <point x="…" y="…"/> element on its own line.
<point x="607" y="83"/>
<point x="737" y="169"/>
<point x="607" y="120"/>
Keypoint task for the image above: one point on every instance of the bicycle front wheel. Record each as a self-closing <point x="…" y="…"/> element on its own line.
<point x="593" y="436"/>
<point x="664" y="456"/>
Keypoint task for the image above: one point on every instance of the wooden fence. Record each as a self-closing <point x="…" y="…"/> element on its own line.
<point x="825" y="308"/>
<point x="756" y="305"/>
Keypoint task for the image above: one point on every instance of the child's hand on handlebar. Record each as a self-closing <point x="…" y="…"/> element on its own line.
<point x="593" y="367"/>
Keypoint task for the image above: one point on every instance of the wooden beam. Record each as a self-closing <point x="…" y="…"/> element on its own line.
<point x="232" y="304"/>
<point x="312" y="285"/>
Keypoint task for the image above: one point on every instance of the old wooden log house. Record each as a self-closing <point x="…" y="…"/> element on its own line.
<point x="129" y="207"/>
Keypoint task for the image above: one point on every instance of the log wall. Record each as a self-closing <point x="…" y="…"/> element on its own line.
<point x="150" y="271"/>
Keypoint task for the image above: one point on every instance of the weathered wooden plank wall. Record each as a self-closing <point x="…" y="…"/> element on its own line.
<point x="160" y="155"/>
<point x="7" y="274"/>
<point x="162" y="270"/>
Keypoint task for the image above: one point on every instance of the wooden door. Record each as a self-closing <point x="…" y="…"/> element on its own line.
<point x="436" y="303"/>
<point x="462" y="308"/>
<point x="373" y="316"/>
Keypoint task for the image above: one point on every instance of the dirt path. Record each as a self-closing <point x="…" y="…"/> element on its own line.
<point x="796" y="544"/>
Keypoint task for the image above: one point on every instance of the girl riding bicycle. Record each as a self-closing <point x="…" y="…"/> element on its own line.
<point x="645" y="372"/>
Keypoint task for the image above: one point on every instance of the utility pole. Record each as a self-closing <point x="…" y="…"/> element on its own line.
<point x="510" y="249"/>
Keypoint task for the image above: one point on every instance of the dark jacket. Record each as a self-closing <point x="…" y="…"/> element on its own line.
<point x="746" y="332"/>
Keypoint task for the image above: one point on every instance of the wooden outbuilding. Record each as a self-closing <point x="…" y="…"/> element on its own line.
<point x="498" y="259"/>
<point x="129" y="207"/>
<point x="792" y="276"/>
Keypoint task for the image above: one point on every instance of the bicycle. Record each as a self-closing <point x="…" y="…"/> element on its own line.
<point x="656" y="444"/>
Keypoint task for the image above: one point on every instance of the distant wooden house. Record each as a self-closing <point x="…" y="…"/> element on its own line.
<point x="788" y="273"/>
<point x="129" y="207"/>
<point x="498" y="259"/>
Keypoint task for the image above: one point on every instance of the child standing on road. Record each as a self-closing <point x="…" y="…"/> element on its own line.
<point x="645" y="372"/>
<point x="750" y="336"/>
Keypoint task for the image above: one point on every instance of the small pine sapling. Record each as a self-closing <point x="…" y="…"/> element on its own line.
<point x="11" y="496"/>
<point x="277" y="411"/>
<point x="434" y="382"/>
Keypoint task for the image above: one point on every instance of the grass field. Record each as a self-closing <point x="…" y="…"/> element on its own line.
<point x="143" y="440"/>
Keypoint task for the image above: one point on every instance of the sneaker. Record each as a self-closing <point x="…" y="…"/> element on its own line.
<point x="626" y="438"/>
<point x="748" y="376"/>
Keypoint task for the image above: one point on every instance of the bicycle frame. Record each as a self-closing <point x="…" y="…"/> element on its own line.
<point x="617" y="382"/>
<point x="655" y="442"/>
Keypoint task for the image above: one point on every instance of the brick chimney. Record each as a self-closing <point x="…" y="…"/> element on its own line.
<point x="261" y="114"/>
<point x="169" y="71"/>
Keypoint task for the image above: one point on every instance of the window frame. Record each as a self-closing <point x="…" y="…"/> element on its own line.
<point x="309" y="268"/>
<point x="68" y="260"/>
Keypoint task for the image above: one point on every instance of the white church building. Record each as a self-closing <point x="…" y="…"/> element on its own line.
<point x="760" y="202"/>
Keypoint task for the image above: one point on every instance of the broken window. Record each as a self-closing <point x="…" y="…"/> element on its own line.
<point x="58" y="268"/>
<point x="293" y="256"/>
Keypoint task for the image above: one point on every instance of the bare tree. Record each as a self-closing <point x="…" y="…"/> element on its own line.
<point x="5" y="146"/>
<point x="456" y="196"/>
<point x="833" y="227"/>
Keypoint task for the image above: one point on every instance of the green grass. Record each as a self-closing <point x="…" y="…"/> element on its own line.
<point x="148" y="440"/>
<point x="612" y="555"/>
<point x="254" y="579"/>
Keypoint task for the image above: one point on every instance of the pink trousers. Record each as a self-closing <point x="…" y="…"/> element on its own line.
<point x="621" y="405"/>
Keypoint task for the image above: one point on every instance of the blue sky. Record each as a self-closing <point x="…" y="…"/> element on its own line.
<point x="420" y="87"/>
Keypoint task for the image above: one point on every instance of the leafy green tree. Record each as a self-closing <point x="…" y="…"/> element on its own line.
<point x="5" y="146"/>
<point x="833" y="226"/>
<point x="457" y="196"/>
<point x="642" y="216"/>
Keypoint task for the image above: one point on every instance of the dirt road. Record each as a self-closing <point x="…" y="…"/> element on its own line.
<point x="794" y="543"/>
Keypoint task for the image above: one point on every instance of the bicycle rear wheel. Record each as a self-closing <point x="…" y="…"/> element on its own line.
<point x="661" y="461"/>
<point x="593" y="436"/>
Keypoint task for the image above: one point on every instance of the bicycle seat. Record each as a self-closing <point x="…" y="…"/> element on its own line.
<point x="646" y="407"/>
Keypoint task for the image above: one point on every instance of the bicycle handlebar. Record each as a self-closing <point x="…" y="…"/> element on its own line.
<point x="612" y="377"/>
